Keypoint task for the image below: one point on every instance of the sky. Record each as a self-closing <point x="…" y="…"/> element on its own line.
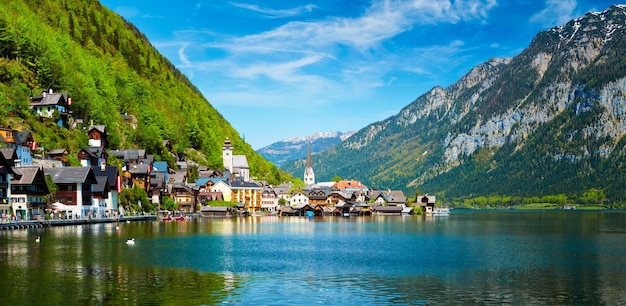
<point x="277" y="69"/>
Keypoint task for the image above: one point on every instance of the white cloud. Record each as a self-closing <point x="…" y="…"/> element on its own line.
<point x="555" y="12"/>
<point x="273" y="13"/>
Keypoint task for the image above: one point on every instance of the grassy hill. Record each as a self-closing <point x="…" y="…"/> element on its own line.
<point x="109" y="69"/>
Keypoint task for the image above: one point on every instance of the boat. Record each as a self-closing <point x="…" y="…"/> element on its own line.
<point x="181" y="218"/>
<point x="441" y="211"/>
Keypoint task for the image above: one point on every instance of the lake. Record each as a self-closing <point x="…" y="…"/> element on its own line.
<point x="468" y="257"/>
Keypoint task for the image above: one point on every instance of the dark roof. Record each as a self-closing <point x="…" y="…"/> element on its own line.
<point x="138" y="169"/>
<point x="242" y="184"/>
<point x="94" y="152"/>
<point x="54" y="98"/>
<point x="101" y="185"/>
<point x="22" y="138"/>
<point x="10" y="154"/>
<point x="110" y="172"/>
<point x="71" y="175"/>
<point x="26" y="177"/>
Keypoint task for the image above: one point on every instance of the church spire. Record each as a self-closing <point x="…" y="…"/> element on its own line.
<point x="309" y="163"/>
<point x="309" y="175"/>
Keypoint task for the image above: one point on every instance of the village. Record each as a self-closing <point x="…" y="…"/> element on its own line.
<point x="92" y="189"/>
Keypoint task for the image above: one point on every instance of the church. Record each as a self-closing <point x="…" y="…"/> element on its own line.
<point x="309" y="175"/>
<point x="236" y="164"/>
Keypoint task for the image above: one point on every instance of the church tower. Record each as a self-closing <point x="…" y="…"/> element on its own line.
<point x="227" y="155"/>
<point x="309" y="175"/>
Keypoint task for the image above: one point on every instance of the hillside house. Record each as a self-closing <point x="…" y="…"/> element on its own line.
<point x="50" y="103"/>
<point x="58" y="155"/>
<point x="97" y="136"/>
<point x="92" y="156"/>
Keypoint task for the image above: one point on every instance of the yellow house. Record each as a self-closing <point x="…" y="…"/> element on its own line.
<point x="248" y="193"/>
<point x="224" y="188"/>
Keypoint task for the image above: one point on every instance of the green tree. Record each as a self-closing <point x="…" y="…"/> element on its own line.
<point x="336" y="178"/>
<point x="52" y="188"/>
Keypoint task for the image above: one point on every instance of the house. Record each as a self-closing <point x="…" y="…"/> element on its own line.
<point x="58" y="154"/>
<point x="283" y="191"/>
<point x="113" y="190"/>
<point x="157" y="186"/>
<point x="298" y="198"/>
<point x="24" y="143"/>
<point x="6" y="172"/>
<point x="336" y="197"/>
<point x="92" y="156"/>
<point x="224" y="188"/>
<point x="318" y="196"/>
<point x="29" y="191"/>
<point x="138" y="175"/>
<point x="100" y="193"/>
<point x="427" y="203"/>
<point x="391" y="198"/>
<point x="50" y="103"/>
<point x="97" y="136"/>
<point x="75" y="185"/>
<point x="269" y="199"/>
<point x="248" y="193"/>
<point x="185" y="197"/>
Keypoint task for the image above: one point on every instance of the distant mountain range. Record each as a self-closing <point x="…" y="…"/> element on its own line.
<point x="297" y="147"/>
<point x="550" y="121"/>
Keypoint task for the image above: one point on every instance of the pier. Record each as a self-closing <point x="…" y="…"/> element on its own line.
<point x="17" y="225"/>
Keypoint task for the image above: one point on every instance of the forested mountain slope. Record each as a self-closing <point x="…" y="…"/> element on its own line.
<point x="549" y="121"/>
<point x="109" y="69"/>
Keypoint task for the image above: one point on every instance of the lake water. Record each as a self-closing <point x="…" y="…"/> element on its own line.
<point x="486" y="257"/>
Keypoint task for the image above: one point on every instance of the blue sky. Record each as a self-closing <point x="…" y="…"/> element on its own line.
<point x="277" y="69"/>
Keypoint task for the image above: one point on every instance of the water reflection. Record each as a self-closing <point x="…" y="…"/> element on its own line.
<point x="466" y="258"/>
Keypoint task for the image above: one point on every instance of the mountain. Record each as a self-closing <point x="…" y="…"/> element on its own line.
<point x="549" y="121"/>
<point x="111" y="72"/>
<point x="297" y="147"/>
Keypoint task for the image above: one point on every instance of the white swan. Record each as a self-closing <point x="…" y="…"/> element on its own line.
<point x="38" y="239"/>
<point x="130" y="241"/>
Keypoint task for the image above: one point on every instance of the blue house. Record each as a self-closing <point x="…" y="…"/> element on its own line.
<point x="46" y="104"/>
